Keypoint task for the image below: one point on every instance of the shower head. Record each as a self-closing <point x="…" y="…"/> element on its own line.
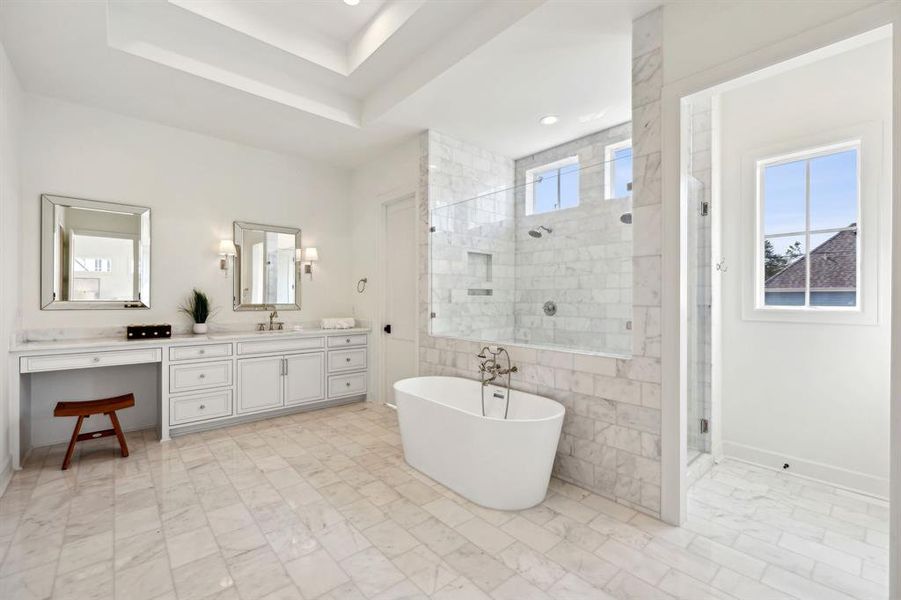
<point x="536" y="233"/>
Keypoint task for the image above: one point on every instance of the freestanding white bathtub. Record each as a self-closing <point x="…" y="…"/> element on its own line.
<point x="497" y="463"/>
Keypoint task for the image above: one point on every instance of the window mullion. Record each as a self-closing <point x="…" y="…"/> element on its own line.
<point x="559" y="176"/>
<point x="807" y="248"/>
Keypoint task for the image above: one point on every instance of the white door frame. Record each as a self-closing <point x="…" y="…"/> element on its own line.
<point x="383" y="289"/>
<point x="674" y="389"/>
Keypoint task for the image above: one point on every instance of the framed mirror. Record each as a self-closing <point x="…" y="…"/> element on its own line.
<point x="266" y="267"/>
<point x="94" y="255"/>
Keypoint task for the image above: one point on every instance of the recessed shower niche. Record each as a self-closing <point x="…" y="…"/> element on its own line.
<point x="509" y="235"/>
<point x="479" y="274"/>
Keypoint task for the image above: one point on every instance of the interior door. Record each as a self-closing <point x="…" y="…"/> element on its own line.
<point x="400" y="298"/>
<point x="304" y="378"/>
<point x="259" y="383"/>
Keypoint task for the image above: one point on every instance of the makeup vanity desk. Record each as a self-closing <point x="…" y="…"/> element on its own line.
<point x="208" y="381"/>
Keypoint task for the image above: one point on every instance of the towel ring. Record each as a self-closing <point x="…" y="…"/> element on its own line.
<point x="361" y="285"/>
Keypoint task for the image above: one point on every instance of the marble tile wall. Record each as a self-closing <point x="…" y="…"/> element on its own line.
<point x="611" y="437"/>
<point x="584" y="265"/>
<point x="472" y="248"/>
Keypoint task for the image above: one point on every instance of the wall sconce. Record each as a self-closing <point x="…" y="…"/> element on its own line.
<point x="227" y="252"/>
<point x="310" y="255"/>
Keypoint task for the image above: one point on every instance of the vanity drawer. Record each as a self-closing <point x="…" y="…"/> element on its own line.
<point x="271" y="346"/>
<point x="195" y="376"/>
<point x="347" y="360"/>
<point x="199" y="407"/>
<point x="357" y="339"/>
<point x="197" y="352"/>
<point x="346" y="385"/>
<point x="86" y="360"/>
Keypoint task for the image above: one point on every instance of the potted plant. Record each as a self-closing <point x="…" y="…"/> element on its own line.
<point x="198" y="308"/>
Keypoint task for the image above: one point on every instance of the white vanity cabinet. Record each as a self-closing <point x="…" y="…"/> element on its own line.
<point x="276" y="381"/>
<point x="213" y="381"/>
<point x="347" y="365"/>
<point x="260" y="383"/>
<point x="304" y="378"/>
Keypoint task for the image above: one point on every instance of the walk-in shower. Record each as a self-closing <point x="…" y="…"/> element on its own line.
<point x="543" y="256"/>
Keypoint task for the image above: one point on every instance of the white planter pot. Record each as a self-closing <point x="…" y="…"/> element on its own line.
<point x="200" y="327"/>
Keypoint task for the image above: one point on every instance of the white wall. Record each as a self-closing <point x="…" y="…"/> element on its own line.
<point x="46" y="389"/>
<point x="10" y="137"/>
<point x="196" y="187"/>
<point x="392" y="175"/>
<point x="813" y="395"/>
<point x="700" y="35"/>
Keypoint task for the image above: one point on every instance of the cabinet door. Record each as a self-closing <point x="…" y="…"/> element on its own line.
<point x="259" y="384"/>
<point x="305" y="378"/>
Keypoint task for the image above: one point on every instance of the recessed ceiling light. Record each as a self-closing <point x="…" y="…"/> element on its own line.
<point x="548" y="120"/>
<point x="351" y="2"/>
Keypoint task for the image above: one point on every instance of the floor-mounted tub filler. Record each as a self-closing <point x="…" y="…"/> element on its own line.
<point x="495" y="462"/>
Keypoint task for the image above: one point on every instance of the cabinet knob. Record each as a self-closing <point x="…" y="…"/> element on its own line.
<point x="96" y="359"/>
<point x="202" y="352"/>
<point x="347" y="384"/>
<point x="203" y="375"/>
<point x="347" y="359"/>
<point x="202" y="406"/>
<point x="347" y="340"/>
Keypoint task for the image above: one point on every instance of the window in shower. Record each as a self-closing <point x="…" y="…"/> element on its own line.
<point x="808" y="216"/>
<point x="618" y="171"/>
<point x="554" y="186"/>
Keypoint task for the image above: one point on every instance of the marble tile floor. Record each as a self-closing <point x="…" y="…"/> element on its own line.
<point x="321" y="505"/>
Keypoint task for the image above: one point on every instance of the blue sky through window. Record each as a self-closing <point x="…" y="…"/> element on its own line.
<point x="556" y="189"/>
<point x="804" y="203"/>
<point x="833" y="193"/>
<point x="569" y="186"/>
<point x="622" y="172"/>
<point x="544" y="194"/>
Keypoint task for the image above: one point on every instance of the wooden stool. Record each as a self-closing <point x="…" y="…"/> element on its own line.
<point x="85" y="409"/>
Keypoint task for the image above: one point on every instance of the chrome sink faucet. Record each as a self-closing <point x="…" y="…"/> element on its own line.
<point x="273" y="324"/>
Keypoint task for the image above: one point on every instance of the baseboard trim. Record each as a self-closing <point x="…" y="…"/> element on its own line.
<point x="261" y="416"/>
<point x="6" y="475"/>
<point x="846" y="479"/>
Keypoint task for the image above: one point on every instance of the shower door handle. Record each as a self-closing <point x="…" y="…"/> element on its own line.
<point x="721" y="265"/>
<point x="387" y="328"/>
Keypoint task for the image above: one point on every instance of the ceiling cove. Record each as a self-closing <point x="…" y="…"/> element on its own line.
<point x="347" y="64"/>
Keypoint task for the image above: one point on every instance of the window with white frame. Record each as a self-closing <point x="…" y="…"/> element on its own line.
<point x="618" y="171"/>
<point x="93" y="265"/>
<point x="808" y="215"/>
<point x="554" y="186"/>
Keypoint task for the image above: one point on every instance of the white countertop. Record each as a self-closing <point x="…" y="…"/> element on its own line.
<point x="31" y="347"/>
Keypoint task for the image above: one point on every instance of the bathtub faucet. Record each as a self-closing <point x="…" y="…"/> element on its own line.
<point x="490" y="366"/>
<point x="490" y="369"/>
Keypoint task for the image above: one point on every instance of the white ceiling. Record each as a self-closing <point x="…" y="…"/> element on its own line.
<point x="336" y="20"/>
<point x="334" y="82"/>
<point x="327" y="33"/>
<point x="570" y="59"/>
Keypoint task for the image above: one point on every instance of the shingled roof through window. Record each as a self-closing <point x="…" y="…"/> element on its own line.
<point x="833" y="266"/>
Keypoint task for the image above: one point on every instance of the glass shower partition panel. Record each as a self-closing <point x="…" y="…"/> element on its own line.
<point x="545" y="263"/>
<point x="699" y="261"/>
